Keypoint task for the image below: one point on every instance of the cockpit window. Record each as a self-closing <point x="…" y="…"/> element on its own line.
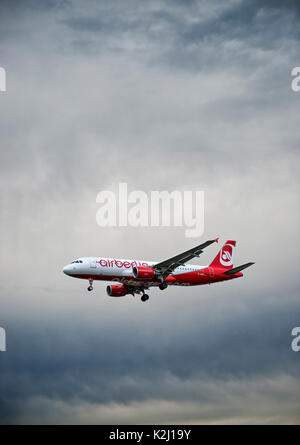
<point x="76" y="261"/>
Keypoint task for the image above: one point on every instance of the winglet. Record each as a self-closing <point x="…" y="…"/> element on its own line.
<point x="217" y="240"/>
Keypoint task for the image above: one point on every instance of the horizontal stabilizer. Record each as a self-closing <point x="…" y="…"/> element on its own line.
<point x="237" y="269"/>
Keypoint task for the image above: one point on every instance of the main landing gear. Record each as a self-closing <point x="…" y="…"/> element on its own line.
<point x="163" y="286"/>
<point x="144" y="297"/>
<point x="90" y="286"/>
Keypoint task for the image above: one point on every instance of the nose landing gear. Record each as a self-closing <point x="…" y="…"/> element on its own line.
<point x="90" y="286"/>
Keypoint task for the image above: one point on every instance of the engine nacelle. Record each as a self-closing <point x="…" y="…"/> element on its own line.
<point x="144" y="273"/>
<point x="116" y="290"/>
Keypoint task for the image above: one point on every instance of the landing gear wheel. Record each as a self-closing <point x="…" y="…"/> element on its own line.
<point x="163" y="286"/>
<point x="90" y="284"/>
<point x="145" y="297"/>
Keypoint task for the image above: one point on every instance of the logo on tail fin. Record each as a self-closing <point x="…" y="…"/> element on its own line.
<point x="226" y="255"/>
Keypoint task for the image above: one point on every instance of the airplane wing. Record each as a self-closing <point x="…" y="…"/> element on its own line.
<point x="164" y="268"/>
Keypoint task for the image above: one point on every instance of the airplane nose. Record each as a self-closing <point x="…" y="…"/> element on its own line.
<point x="67" y="269"/>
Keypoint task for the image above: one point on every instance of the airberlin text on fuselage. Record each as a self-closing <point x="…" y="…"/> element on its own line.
<point x="120" y="264"/>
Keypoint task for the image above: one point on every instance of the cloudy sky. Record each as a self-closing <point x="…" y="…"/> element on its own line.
<point x="162" y="95"/>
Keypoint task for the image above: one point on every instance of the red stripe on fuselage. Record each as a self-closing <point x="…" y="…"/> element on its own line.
<point x="197" y="277"/>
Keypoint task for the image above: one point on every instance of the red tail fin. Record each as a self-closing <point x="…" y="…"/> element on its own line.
<point x="225" y="258"/>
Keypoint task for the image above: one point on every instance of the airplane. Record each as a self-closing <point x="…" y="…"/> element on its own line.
<point x="136" y="276"/>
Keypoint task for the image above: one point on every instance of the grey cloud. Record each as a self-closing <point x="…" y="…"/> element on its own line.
<point x="229" y="402"/>
<point x="95" y="363"/>
<point x="179" y="32"/>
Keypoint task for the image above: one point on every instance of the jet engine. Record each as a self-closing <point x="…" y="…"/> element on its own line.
<point x="116" y="290"/>
<point x="144" y="273"/>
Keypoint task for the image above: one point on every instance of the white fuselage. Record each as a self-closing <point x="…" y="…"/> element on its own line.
<point x="117" y="269"/>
